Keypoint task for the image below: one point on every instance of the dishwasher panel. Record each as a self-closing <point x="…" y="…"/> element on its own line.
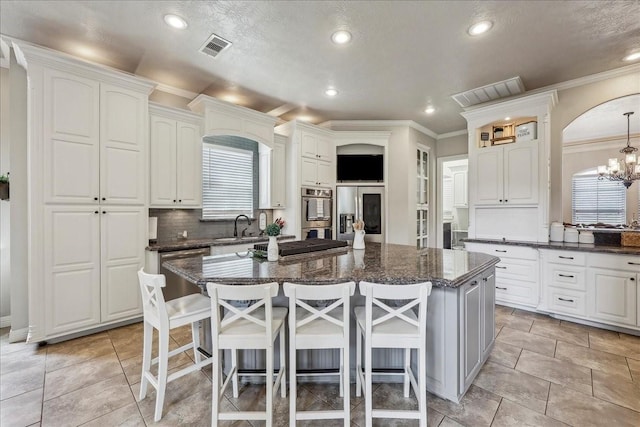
<point x="177" y="286"/>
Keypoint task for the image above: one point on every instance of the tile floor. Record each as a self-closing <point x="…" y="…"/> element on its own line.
<point x="542" y="372"/>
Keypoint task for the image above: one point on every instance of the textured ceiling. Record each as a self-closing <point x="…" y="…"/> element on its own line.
<point x="403" y="55"/>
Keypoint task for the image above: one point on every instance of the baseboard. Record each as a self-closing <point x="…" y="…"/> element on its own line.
<point x="5" y="321"/>
<point x="18" y="335"/>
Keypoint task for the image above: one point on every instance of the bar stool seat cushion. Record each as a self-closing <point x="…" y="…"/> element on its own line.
<point x="187" y="307"/>
<point x="246" y="329"/>
<point x="394" y="327"/>
<point x="319" y="327"/>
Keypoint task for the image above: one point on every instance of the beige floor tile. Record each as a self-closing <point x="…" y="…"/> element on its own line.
<point x="612" y="389"/>
<point x="576" y="409"/>
<point x="556" y="371"/>
<point x="127" y="416"/>
<point x="591" y="330"/>
<point x="6" y="347"/>
<point x="130" y="345"/>
<point x="79" y="350"/>
<point x="176" y="391"/>
<point x="448" y="422"/>
<point x="81" y="375"/>
<point x="517" y="386"/>
<point x="477" y="407"/>
<point x="626" y="345"/>
<point x="634" y="367"/>
<point x="504" y="354"/>
<point x="503" y="309"/>
<point x="528" y="341"/>
<point x="511" y="414"/>
<point x="498" y="329"/>
<point x="330" y="393"/>
<point x="88" y="403"/>
<point x="22" y="359"/>
<point x="561" y="334"/>
<point x="18" y="382"/>
<point x="536" y="317"/>
<point x="22" y="410"/>
<point x="514" y="322"/>
<point x="124" y="331"/>
<point x="594" y="359"/>
<point x="133" y="366"/>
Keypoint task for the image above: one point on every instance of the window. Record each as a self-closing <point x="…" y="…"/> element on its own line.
<point x="594" y="200"/>
<point x="422" y="198"/>
<point x="227" y="181"/>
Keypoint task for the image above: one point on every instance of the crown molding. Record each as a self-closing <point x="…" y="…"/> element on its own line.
<point x="381" y="123"/>
<point x="176" y="91"/>
<point x="612" y="142"/>
<point x="592" y="78"/>
<point x="452" y="134"/>
<point x="174" y="113"/>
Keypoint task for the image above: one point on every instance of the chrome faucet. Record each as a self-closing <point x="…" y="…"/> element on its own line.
<point x="235" y="224"/>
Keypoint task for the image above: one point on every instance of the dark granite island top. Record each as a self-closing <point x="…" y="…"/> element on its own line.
<point x="386" y="263"/>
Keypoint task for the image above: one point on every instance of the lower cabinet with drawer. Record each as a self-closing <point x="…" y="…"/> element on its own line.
<point x="517" y="281"/>
<point x="593" y="286"/>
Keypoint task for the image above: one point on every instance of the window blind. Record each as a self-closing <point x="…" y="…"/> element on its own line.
<point x="227" y="182"/>
<point x="594" y="200"/>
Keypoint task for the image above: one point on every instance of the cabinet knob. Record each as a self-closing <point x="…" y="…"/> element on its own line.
<point x="632" y="279"/>
<point x="104" y="212"/>
<point x="174" y="200"/>
<point x="95" y="198"/>
<point x="474" y="283"/>
<point x="96" y="212"/>
<point x="484" y="279"/>
<point x="500" y="200"/>
<point x="505" y="200"/>
<point x="104" y="198"/>
<point x="180" y="201"/>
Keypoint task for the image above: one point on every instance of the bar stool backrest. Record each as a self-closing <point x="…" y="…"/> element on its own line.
<point x="153" y="304"/>
<point x="258" y="295"/>
<point x="414" y="295"/>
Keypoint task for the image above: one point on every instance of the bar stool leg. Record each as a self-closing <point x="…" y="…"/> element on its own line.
<point x="195" y="337"/>
<point x="234" y="364"/>
<point x="422" y="384"/>
<point x="163" y="359"/>
<point x="358" y="362"/>
<point x="368" y="399"/>
<point x="407" y="363"/>
<point x="346" y="373"/>
<point x="146" y="358"/>
<point x="283" y="362"/>
<point x="216" y="377"/>
<point x="341" y="372"/>
<point x="269" y="385"/>
<point x="293" y="380"/>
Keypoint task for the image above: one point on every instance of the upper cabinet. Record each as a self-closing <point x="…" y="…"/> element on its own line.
<point x="460" y="194"/>
<point x="508" y="189"/>
<point x="176" y="158"/>
<point x="273" y="174"/>
<point x="95" y="141"/>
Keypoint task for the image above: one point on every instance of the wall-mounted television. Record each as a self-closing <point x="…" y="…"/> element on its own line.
<point x="360" y="167"/>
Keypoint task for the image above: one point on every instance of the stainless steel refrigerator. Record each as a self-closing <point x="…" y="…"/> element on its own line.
<point x="359" y="202"/>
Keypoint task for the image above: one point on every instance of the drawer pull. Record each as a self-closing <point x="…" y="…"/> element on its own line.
<point x="564" y="299"/>
<point x="502" y="289"/>
<point x="474" y="283"/>
<point x="504" y="268"/>
<point x="566" y="275"/>
<point x="498" y="250"/>
<point x="633" y="263"/>
<point x="565" y="257"/>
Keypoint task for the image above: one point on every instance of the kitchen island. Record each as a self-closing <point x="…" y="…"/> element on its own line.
<point x="461" y="324"/>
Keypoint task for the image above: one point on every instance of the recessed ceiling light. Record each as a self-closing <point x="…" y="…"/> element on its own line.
<point x="480" y="28"/>
<point x="341" y="37"/>
<point x="331" y="92"/>
<point x="632" y="57"/>
<point x="430" y="110"/>
<point x="304" y="118"/>
<point x="507" y="118"/>
<point x="175" y="21"/>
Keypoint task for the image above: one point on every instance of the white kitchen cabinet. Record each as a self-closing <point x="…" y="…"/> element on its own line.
<point x="176" y="159"/>
<point x="460" y="198"/>
<point x="516" y="281"/>
<point x="95" y="141"/>
<point x="612" y="296"/>
<point x="315" y="146"/>
<point x="472" y="338"/>
<point x="507" y="175"/>
<point x="488" y="313"/>
<point x="273" y="181"/>
<point x="92" y="256"/>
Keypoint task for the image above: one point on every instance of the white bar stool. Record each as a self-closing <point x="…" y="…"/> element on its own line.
<point x="319" y="328"/>
<point x="253" y="327"/>
<point x="383" y="326"/>
<point x="165" y="316"/>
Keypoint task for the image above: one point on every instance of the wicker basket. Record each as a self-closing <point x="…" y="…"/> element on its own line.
<point x="630" y="238"/>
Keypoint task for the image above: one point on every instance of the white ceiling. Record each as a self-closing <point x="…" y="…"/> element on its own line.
<point x="403" y="56"/>
<point x="605" y="121"/>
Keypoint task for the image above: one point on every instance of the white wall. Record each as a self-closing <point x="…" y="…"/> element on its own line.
<point x="572" y="103"/>
<point x="5" y="267"/>
<point x="453" y="146"/>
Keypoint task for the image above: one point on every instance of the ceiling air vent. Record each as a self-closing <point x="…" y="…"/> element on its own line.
<point x="214" y="45"/>
<point x="503" y="89"/>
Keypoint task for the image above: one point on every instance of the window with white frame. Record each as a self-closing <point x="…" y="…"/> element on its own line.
<point x="227" y="181"/>
<point x="596" y="200"/>
<point x="422" y="197"/>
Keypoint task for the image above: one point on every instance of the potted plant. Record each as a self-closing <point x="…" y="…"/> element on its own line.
<point x="272" y="231"/>
<point x="4" y="187"/>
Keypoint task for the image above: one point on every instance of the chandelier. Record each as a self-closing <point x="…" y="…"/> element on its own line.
<point x="627" y="169"/>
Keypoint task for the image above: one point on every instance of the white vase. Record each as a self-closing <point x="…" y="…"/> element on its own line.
<point x="358" y="239"/>
<point x="272" y="249"/>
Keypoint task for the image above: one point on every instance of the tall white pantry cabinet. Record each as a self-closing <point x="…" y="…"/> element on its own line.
<point x="88" y="163"/>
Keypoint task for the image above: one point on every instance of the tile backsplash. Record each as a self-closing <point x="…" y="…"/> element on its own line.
<point x="172" y="223"/>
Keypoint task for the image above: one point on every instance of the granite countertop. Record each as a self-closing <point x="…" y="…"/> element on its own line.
<point x="184" y="244"/>
<point x="581" y="247"/>
<point x="386" y="263"/>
